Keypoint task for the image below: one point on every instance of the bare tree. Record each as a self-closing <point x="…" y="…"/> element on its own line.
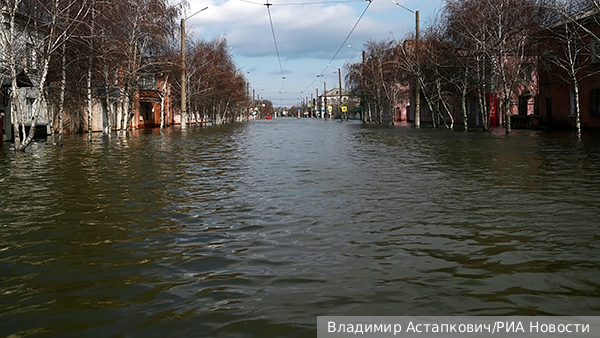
<point x="566" y="45"/>
<point x="467" y="29"/>
<point x="459" y="54"/>
<point x="215" y="85"/>
<point x="35" y="30"/>
<point x="376" y="78"/>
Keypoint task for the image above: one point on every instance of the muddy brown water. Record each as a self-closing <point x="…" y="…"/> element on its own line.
<point x="254" y="229"/>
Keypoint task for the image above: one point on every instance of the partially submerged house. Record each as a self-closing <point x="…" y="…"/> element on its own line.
<point x="154" y="101"/>
<point x="151" y="103"/>
<point x="18" y="53"/>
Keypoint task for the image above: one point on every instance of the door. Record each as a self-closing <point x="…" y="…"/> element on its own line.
<point x="523" y="105"/>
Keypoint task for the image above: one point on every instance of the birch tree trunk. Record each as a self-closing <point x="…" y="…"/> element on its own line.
<point x="47" y="46"/>
<point x="123" y="111"/>
<point x="108" y="102"/>
<point x="481" y="92"/>
<point x="128" y="115"/>
<point x="63" y="85"/>
<point x="507" y="116"/>
<point x="463" y="103"/>
<point x="444" y="105"/>
<point x="463" y="100"/>
<point x="89" y="76"/>
<point x="577" y="109"/>
<point x="15" y="100"/>
<point x="89" y="99"/>
<point x="162" y="102"/>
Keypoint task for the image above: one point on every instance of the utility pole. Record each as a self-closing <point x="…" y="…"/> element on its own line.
<point x="325" y="99"/>
<point x="342" y="114"/>
<point x="183" y="112"/>
<point x="418" y="83"/>
<point x="248" y="109"/>
<point x="317" y="101"/>
<point x="417" y="47"/>
<point x="364" y="109"/>
<point x="307" y="103"/>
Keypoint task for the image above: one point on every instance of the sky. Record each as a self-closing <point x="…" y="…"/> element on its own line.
<point x="310" y="38"/>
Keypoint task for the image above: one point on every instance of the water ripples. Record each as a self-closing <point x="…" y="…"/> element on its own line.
<point x="257" y="228"/>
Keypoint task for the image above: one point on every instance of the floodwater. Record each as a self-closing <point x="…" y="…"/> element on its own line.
<point x="254" y="229"/>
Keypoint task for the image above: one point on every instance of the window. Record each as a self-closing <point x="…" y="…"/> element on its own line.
<point x="595" y="101"/>
<point x="29" y="109"/>
<point x="148" y="82"/>
<point x="31" y="57"/>
<point x="527" y="71"/>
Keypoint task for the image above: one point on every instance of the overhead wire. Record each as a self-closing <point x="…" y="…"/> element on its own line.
<point x="268" y="5"/>
<point x="319" y="3"/>
<point x="341" y="46"/>
<point x="303" y="3"/>
<point x="276" y="47"/>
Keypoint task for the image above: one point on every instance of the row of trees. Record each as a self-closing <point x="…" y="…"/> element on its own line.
<point x="475" y="46"/>
<point x="78" y="52"/>
<point x="219" y="90"/>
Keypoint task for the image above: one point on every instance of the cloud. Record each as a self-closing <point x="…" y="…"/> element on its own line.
<point x="308" y="37"/>
<point x="300" y="31"/>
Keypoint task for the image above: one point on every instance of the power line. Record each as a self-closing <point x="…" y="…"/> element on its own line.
<point x="275" y="41"/>
<point x="320" y="3"/>
<point x="303" y="3"/>
<point x="342" y="45"/>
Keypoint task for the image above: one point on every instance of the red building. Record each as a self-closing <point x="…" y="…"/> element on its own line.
<point x="557" y="100"/>
<point x="154" y="102"/>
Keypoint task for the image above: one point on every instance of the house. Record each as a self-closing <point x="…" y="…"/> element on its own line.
<point x="523" y="103"/>
<point x="24" y="59"/>
<point x="331" y="101"/>
<point x="441" y="90"/>
<point x="154" y="102"/>
<point x="154" y="96"/>
<point x="557" y="97"/>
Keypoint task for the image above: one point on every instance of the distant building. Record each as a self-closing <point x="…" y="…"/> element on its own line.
<point x="333" y="102"/>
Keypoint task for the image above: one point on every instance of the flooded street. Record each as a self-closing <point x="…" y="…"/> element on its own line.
<point x="254" y="229"/>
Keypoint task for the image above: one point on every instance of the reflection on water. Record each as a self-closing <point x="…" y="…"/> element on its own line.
<point x="254" y="229"/>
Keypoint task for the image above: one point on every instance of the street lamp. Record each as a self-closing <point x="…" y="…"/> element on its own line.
<point x="183" y="70"/>
<point x="417" y="84"/>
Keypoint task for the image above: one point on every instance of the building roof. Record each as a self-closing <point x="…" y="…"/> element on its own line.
<point x="336" y="92"/>
<point x="580" y="15"/>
